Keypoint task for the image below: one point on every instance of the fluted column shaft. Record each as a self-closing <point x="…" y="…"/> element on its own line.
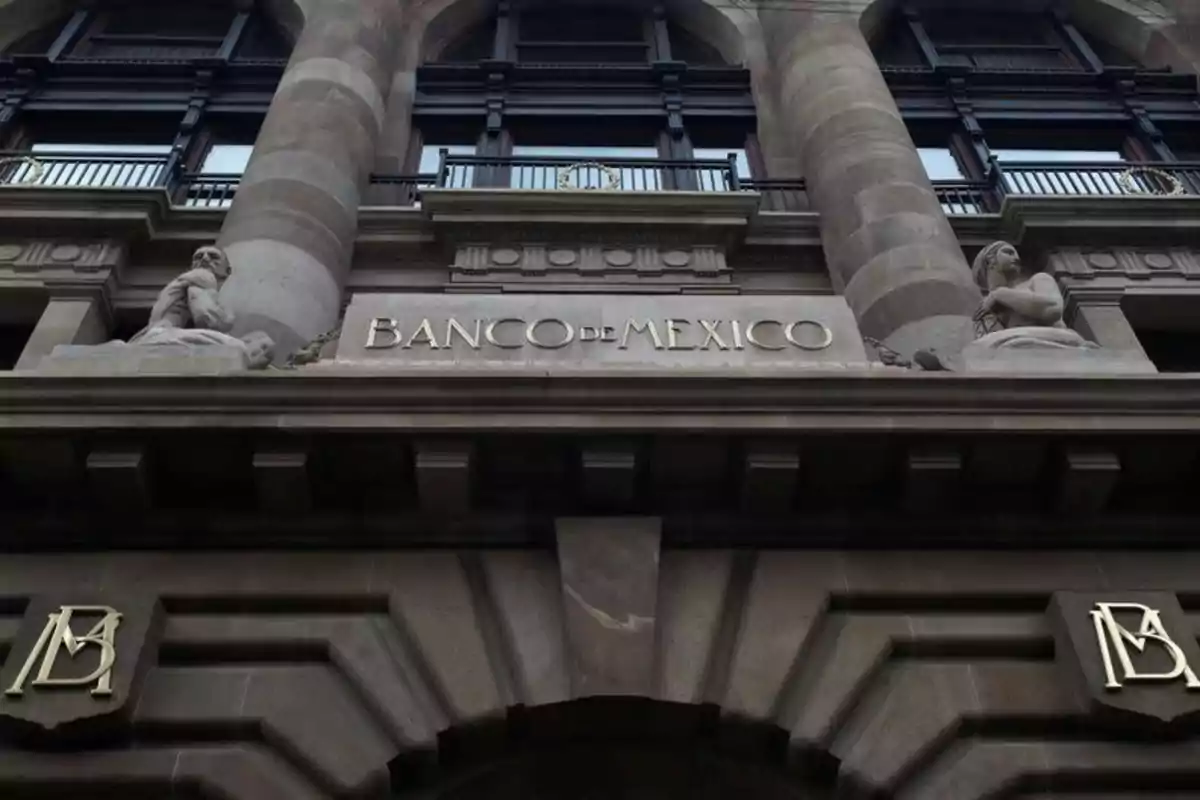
<point x="888" y="244"/>
<point x="290" y="232"/>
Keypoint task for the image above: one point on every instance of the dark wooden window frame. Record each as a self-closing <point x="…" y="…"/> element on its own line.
<point x="502" y="94"/>
<point x="199" y="100"/>
<point x="978" y="109"/>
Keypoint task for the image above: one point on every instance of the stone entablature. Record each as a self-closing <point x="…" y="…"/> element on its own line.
<point x="634" y="265"/>
<point x="1118" y="267"/>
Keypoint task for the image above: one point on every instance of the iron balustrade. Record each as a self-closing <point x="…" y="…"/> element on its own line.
<point x="400" y="190"/>
<point x="1108" y="179"/>
<point x="86" y="170"/>
<point x="963" y="198"/>
<point x="785" y="194"/>
<point x="93" y="170"/>
<point x="207" y="191"/>
<point x="587" y="173"/>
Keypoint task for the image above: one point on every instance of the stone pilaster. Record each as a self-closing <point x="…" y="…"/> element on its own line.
<point x="290" y="232"/>
<point x="65" y="320"/>
<point x="888" y="244"/>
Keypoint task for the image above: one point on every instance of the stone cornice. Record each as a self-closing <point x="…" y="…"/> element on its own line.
<point x="333" y="398"/>
<point x="1101" y="221"/>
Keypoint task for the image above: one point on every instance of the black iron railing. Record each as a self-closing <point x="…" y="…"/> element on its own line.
<point x="575" y="173"/>
<point x="785" y="194"/>
<point x="207" y="191"/>
<point x="958" y="198"/>
<point x="1098" y="180"/>
<point x="961" y="198"/>
<point x="86" y="170"/>
<point x="398" y="190"/>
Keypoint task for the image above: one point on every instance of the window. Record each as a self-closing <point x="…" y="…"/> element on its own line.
<point x="999" y="41"/>
<point x="1055" y="156"/>
<point x="560" y="125"/>
<point x="226" y="159"/>
<point x="582" y="35"/>
<point x="458" y="175"/>
<point x="940" y="164"/>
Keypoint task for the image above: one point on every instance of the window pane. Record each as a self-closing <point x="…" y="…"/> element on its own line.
<point x="1059" y="156"/>
<point x="226" y="159"/>
<point x="460" y="176"/>
<point x="431" y="155"/>
<point x="102" y="149"/>
<point x="940" y="163"/>
<point x="722" y="154"/>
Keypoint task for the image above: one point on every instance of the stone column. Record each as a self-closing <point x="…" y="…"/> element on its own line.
<point x="888" y="245"/>
<point x="290" y="232"/>
<point x="67" y="320"/>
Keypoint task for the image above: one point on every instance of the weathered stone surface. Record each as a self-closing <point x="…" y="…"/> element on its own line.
<point x="600" y="331"/>
<point x="122" y="359"/>
<point x="1102" y="361"/>
<point x="882" y="227"/>
<point x="610" y="596"/>
<point x="290" y="232"/>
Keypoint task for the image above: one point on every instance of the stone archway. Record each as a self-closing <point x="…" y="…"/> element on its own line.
<point x="19" y="18"/>
<point x="617" y="748"/>
<point x="725" y="26"/>
<point x="1146" y="32"/>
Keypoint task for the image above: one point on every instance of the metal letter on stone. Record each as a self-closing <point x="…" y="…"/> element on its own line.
<point x="58" y="634"/>
<point x="1113" y="637"/>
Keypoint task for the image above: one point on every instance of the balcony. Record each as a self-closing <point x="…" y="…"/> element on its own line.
<point x="204" y="190"/>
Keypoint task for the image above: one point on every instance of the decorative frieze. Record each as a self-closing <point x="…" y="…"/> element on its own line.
<point x="57" y="255"/>
<point x="63" y="267"/>
<point x="1128" y="264"/>
<point x="589" y="263"/>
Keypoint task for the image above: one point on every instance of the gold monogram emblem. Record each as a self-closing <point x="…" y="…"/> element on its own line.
<point x="58" y="633"/>
<point x="1113" y="637"/>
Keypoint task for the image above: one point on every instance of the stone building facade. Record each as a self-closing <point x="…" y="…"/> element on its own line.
<point x="628" y="430"/>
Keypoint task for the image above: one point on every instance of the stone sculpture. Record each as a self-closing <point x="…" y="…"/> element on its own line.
<point x="188" y="312"/>
<point x="1019" y="311"/>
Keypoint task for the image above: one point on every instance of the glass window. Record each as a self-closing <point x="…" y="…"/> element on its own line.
<point x="569" y="165"/>
<point x="127" y="166"/>
<point x="722" y="154"/>
<point x="940" y="163"/>
<point x="1057" y="156"/>
<point x="226" y="159"/>
<point x="459" y="176"/>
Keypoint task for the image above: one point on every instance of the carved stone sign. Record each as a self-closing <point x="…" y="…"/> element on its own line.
<point x="76" y="664"/>
<point x="1130" y="655"/>
<point x="601" y="331"/>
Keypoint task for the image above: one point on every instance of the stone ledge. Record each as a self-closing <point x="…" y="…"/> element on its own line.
<point x="699" y="218"/>
<point x="1094" y="222"/>
<point x="336" y="398"/>
<point x="118" y="359"/>
<point x="1097" y="362"/>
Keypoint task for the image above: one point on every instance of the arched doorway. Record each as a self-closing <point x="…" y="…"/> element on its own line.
<point x="615" y="748"/>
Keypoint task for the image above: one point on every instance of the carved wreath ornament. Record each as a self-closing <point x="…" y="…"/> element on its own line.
<point x="1169" y="185"/>
<point x="567" y="173"/>
<point x="34" y="175"/>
